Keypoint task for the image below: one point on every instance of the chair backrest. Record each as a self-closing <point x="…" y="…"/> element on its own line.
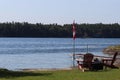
<point x="114" y="58"/>
<point x="87" y="61"/>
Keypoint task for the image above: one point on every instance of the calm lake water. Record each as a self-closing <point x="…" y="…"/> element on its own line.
<point x="21" y="53"/>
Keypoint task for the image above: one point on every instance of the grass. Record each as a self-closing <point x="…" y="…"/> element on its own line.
<point x="75" y="74"/>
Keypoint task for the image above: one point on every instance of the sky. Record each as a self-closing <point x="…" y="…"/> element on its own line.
<point x="60" y="11"/>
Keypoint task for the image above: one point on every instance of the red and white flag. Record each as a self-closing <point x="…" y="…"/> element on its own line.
<point x="74" y="30"/>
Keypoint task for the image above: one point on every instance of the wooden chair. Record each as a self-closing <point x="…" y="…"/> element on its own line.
<point x="86" y="63"/>
<point x="110" y="62"/>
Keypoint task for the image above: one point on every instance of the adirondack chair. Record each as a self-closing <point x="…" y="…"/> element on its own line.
<point x="86" y="63"/>
<point x="110" y="62"/>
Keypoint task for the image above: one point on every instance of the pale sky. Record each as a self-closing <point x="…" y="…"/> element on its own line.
<point x="60" y="11"/>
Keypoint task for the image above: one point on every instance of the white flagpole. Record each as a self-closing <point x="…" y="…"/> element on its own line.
<point x="74" y="36"/>
<point x="74" y="53"/>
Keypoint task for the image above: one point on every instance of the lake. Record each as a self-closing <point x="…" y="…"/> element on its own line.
<point x="24" y="53"/>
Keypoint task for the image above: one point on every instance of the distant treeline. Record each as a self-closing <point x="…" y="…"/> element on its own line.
<point x="25" y="29"/>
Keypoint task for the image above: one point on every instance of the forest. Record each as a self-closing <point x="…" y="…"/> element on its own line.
<point x="84" y="30"/>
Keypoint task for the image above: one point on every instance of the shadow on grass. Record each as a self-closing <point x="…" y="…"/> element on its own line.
<point x="4" y="73"/>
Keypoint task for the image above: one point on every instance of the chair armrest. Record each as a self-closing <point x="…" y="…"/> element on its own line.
<point x="106" y="59"/>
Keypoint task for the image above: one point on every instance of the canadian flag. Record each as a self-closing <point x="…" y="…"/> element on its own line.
<point x="74" y="30"/>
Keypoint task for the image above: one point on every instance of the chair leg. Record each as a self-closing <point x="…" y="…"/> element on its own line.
<point x="81" y="68"/>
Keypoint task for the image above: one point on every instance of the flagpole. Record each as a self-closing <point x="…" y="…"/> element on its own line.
<point x="73" y="52"/>
<point x="74" y="36"/>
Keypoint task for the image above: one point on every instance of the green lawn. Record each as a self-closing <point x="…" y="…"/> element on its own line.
<point x="75" y="74"/>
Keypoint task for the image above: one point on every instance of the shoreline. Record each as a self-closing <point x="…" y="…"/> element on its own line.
<point x="44" y="69"/>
